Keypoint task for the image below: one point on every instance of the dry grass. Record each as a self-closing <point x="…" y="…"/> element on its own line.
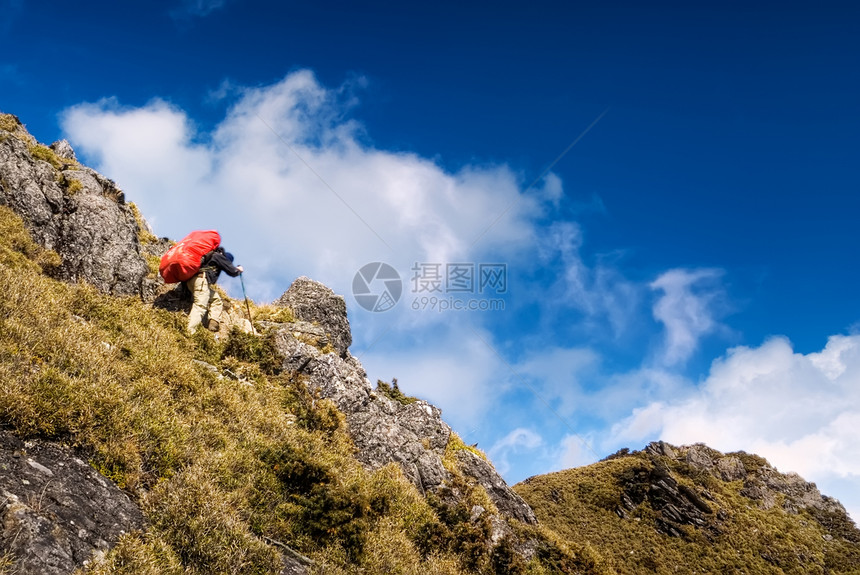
<point x="579" y="504"/>
<point x="143" y="234"/>
<point x="18" y="250"/>
<point x="392" y="391"/>
<point x="217" y="465"/>
<point x="220" y="467"/>
<point x="456" y="444"/>
<point x="7" y="564"/>
<point x="46" y="154"/>
<point x="272" y="313"/>
<point x="9" y="123"/>
<point x="74" y="187"/>
<point x="139" y="554"/>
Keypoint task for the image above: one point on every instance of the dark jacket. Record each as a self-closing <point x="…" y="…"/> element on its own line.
<point x="217" y="261"/>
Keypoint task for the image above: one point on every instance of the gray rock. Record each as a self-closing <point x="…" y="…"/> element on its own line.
<point x="731" y="468"/>
<point x="700" y="456"/>
<point x="30" y="189"/>
<point x="679" y="505"/>
<point x="675" y="504"/>
<point x="57" y="511"/>
<point x="293" y="562"/>
<point x="86" y="222"/>
<point x="315" y="303"/>
<point x="98" y="244"/>
<point x="64" y="149"/>
<point x="756" y="490"/>
<point x="384" y="430"/>
<point x="310" y="333"/>
<point x="509" y="503"/>
<point x="660" y="448"/>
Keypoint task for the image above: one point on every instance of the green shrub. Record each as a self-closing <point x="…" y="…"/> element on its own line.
<point x="138" y="554"/>
<point x="580" y="506"/>
<point x="273" y="313"/>
<point x="205" y="529"/>
<point x="73" y="187"/>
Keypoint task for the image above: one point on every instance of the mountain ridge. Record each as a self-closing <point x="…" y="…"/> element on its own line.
<point x="693" y="509"/>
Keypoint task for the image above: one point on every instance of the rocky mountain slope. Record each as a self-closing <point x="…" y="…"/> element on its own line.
<point x="72" y="210"/>
<point x="127" y="446"/>
<point x="692" y="509"/>
<point x="75" y="361"/>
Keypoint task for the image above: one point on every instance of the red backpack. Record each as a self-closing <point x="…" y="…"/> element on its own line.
<point x="182" y="261"/>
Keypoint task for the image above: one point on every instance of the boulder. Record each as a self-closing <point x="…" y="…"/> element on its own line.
<point x="509" y="503"/>
<point x="315" y="303"/>
<point x="57" y="513"/>
<point x="64" y="149"/>
<point x="74" y="211"/>
<point x="731" y="468"/>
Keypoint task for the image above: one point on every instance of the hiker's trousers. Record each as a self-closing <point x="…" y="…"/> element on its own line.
<point x="206" y="301"/>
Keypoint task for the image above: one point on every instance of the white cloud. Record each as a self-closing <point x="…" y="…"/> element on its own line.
<point x="575" y="451"/>
<point x="559" y="377"/>
<point x="600" y="292"/>
<point x="688" y="308"/>
<point x="518" y="441"/>
<point x="294" y="190"/>
<point x="454" y="369"/>
<point x="150" y="152"/>
<point x="578" y="383"/>
<point x="801" y="412"/>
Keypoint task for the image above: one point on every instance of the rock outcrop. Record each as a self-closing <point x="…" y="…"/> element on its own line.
<point x="679" y="505"/>
<point x="762" y="483"/>
<point x="57" y="512"/>
<point x="317" y="304"/>
<point x="410" y="433"/>
<point x="72" y="210"/>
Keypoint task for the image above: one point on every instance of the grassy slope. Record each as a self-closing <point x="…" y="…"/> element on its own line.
<point x="221" y="468"/>
<point x="579" y="504"/>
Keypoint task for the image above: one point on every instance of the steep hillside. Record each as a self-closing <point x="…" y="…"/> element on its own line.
<point x="71" y="209"/>
<point x="694" y="510"/>
<point x="247" y="453"/>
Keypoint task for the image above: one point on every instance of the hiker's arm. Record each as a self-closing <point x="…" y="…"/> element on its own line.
<point x="232" y="270"/>
<point x="226" y="265"/>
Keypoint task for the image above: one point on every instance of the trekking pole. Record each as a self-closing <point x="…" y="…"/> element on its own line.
<point x="247" y="306"/>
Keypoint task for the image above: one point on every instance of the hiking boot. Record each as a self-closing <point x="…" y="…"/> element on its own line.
<point x="214" y="325"/>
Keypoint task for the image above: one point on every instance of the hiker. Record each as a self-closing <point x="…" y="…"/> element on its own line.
<point x="201" y="286"/>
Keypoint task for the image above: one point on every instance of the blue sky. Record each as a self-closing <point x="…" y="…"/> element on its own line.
<point x="685" y="271"/>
